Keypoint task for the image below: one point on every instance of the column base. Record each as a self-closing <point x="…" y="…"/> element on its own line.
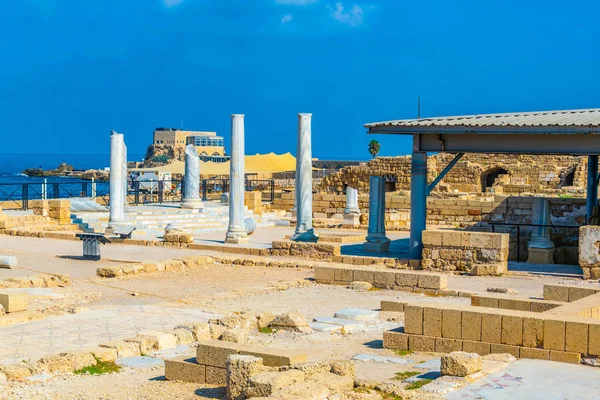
<point x="351" y="221"/>
<point x="307" y="236"/>
<point x="351" y="211"/>
<point x="540" y="256"/>
<point x="195" y="204"/>
<point x="236" y="237"/>
<point x="378" y="244"/>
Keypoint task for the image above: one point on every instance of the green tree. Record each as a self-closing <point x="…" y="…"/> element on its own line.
<point x="374" y="147"/>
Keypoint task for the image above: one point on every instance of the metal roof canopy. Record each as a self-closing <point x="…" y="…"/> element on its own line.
<point x="566" y="132"/>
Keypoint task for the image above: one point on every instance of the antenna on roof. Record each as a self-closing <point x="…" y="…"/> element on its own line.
<point x="419" y="107"/>
<point x="181" y="124"/>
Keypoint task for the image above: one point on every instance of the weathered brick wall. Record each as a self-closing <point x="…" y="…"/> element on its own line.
<point x="525" y="174"/>
<point x="479" y="253"/>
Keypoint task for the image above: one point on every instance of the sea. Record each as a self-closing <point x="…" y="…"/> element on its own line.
<point x="13" y="165"/>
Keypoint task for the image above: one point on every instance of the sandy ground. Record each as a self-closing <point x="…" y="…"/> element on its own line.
<point x="218" y="289"/>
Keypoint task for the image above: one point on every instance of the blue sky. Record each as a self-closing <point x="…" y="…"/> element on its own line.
<point x="74" y="69"/>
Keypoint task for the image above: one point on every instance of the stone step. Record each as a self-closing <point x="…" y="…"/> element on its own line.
<point x="185" y="369"/>
<point x="356" y="314"/>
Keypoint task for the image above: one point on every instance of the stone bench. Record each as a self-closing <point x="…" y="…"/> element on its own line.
<point x="210" y="363"/>
<point x="380" y="277"/>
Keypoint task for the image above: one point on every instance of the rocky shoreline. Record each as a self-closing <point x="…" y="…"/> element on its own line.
<point x="68" y="171"/>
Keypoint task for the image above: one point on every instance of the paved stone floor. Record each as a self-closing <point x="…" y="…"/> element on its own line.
<point x="535" y="380"/>
<point x="71" y="332"/>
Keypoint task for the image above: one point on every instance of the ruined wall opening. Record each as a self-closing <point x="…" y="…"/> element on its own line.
<point x="567" y="178"/>
<point x="488" y="178"/>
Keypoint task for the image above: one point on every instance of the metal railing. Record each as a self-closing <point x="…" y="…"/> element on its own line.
<point x="17" y="196"/>
<point x="519" y="225"/>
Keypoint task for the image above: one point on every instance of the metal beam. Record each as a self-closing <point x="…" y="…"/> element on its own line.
<point x="445" y="171"/>
<point x="511" y="144"/>
<point x="480" y="130"/>
<point x="592" y="187"/>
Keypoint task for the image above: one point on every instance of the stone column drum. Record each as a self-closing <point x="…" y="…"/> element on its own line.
<point x="540" y="246"/>
<point x="117" y="185"/>
<point x="377" y="242"/>
<point x="236" y="231"/>
<point x="351" y="212"/>
<point x="191" y="180"/>
<point x="304" y="195"/>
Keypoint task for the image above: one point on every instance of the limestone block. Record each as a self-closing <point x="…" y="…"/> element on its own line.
<point x="533" y="332"/>
<point x="154" y="340"/>
<point x="215" y="353"/>
<point x="421" y="343"/>
<point x="364" y="275"/>
<point x="360" y="286"/>
<point x="14" y="301"/>
<point x="239" y="370"/>
<point x="460" y="363"/>
<point x="343" y="275"/>
<point x="324" y="273"/>
<point x="336" y="383"/>
<point x="183" y="336"/>
<point x="274" y="358"/>
<point x="216" y="376"/>
<point x="264" y="319"/>
<point x="235" y="335"/>
<point x="512" y="330"/>
<point x="413" y="319"/>
<point x="471" y="325"/>
<point x="432" y="322"/>
<point x="396" y="306"/>
<point x="576" y="337"/>
<point x="589" y="255"/>
<point x="216" y="331"/>
<point x="407" y="279"/>
<point x="185" y="369"/>
<point x="124" y="349"/>
<point x="556" y="293"/>
<point x="452" y="324"/>
<point x="505" y="349"/>
<point x="443" y="345"/>
<point x="566" y="357"/>
<point x="200" y="331"/>
<point x="576" y="293"/>
<point x="538" y="354"/>
<point x="483" y="301"/>
<point x="83" y="359"/>
<point x="395" y="340"/>
<point x="62" y="362"/>
<point x="266" y="383"/>
<point x="109" y="272"/>
<point x="311" y="368"/>
<point x="594" y="339"/>
<point x="105" y="354"/>
<point x="554" y="334"/>
<point x="480" y="348"/>
<point x="491" y="328"/>
<point x="291" y="321"/>
<point x="344" y="368"/>
<point x="19" y="371"/>
<point x="432" y="281"/>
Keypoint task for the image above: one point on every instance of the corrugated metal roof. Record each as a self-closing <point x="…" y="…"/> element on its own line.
<point x="583" y="118"/>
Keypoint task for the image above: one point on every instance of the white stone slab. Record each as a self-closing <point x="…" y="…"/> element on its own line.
<point x="381" y="359"/>
<point x="348" y="325"/>
<point x="357" y="314"/>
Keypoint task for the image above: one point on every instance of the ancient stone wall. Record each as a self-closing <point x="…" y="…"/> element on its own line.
<point x="474" y="173"/>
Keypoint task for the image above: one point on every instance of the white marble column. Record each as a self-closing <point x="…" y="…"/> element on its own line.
<point x="117" y="186"/>
<point x="304" y="196"/>
<point x="540" y="246"/>
<point x="191" y="180"/>
<point x="377" y="242"/>
<point x="351" y="201"/>
<point x="236" y="232"/>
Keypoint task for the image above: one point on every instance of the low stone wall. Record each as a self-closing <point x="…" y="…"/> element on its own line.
<point x="563" y="333"/>
<point x="381" y="277"/>
<point x="310" y="251"/>
<point x="58" y="209"/>
<point x="479" y="253"/>
<point x="589" y="251"/>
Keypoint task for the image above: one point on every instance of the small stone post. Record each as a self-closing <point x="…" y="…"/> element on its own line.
<point x="540" y="246"/>
<point x="351" y="212"/>
<point x="236" y="232"/>
<point x="377" y="242"/>
<point x="304" y="194"/>
<point x="191" y="180"/>
<point x="117" y="185"/>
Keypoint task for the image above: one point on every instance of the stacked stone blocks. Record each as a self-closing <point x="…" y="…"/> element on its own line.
<point x="479" y="253"/>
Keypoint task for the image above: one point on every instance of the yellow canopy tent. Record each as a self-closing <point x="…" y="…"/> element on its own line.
<point x="256" y="164"/>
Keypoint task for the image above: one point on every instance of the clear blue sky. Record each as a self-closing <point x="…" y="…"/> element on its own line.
<point x="72" y="70"/>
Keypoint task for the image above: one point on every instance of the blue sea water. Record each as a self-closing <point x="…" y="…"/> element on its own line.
<point x="12" y="166"/>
